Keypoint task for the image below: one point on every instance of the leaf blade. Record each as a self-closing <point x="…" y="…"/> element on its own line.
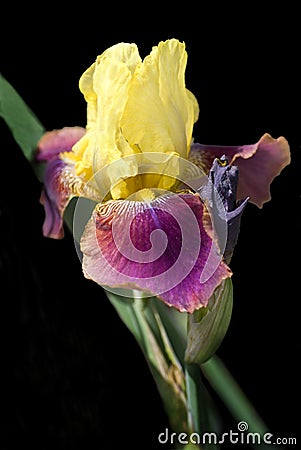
<point x="20" y="119"/>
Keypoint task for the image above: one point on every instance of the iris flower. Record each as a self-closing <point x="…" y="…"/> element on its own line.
<point x="151" y="230"/>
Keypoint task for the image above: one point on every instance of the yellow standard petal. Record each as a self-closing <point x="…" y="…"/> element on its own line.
<point x="135" y="106"/>
<point x="104" y="86"/>
<point x="160" y="112"/>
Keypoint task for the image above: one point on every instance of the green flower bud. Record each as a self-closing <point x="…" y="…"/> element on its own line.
<point x="207" y="326"/>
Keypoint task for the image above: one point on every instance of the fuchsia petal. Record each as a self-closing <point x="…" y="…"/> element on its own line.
<point x="60" y="185"/>
<point x="160" y="247"/>
<point x="52" y="143"/>
<point x="53" y="222"/>
<point x="258" y="164"/>
<point x="55" y="197"/>
<point x="60" y="181"/>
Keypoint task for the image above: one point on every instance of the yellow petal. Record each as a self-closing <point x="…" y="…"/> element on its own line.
<point x="135" y="106"/>
<point x="86" y="87"/>
<point x="104" y="85"/>
<point x="112" y="78"/>
<point x="160" y="111"/>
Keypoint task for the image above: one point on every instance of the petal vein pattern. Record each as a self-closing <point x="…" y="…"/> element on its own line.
<point x="160" y="247"/>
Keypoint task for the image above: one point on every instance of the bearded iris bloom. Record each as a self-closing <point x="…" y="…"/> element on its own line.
<point x="148" y="231"/>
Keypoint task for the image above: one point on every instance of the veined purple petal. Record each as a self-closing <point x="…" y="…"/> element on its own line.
<point x="60" y="181"/>
<point x="60" y="185"/>
<point x="54" y="142"/>
<point x="258" y="164"/>
<point x="160" y="247"/>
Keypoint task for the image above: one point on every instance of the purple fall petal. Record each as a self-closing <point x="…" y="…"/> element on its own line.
<point x="54" y="142"/>
<point x="53" y="222"/>
<point x="60" y="180"/>
<point x="160" y="247"/>
<point x="55" y="197"/>
<point x="60" y="185"/>
<point x="258" y="164"/>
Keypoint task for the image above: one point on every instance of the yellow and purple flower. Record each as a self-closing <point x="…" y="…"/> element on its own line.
<point x="151" y="230"/>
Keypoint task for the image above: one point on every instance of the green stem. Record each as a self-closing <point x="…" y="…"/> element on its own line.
<point x="193" y="390"/>
<point x="201" y="411"/>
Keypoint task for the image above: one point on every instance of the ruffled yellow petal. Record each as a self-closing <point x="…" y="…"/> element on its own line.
<point x="86" y="87"/>
<point x="160" y="111"/>
<point x="112" y="78"/>
<point x="82" y="155"/>
<point x="104" y="86"/>
<point x="135" y="106"/>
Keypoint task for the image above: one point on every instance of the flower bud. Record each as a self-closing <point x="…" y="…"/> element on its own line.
<point x="208" y="326"/>
<point x="222" y="186"/>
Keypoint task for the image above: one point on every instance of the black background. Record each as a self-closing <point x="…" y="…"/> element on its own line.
<point x="72" y="376"/>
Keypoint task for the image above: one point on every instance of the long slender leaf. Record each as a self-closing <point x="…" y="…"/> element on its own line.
<point x="234" y="398"/>
<point x="22" y="122"/>
<point x="127" y="312"/>
<point x="164" y="366"/>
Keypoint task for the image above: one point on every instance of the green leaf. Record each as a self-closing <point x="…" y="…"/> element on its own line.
<point x="157" y="328"/>
<point x="234" y="398"/>
<point x="22" y="122"/>
<point x="127" y="311"/>
<point x="207" y="327"/>
<point x="175" y="324"/>
<point x="143" y="320"/>
<point x="192" y="373"/>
